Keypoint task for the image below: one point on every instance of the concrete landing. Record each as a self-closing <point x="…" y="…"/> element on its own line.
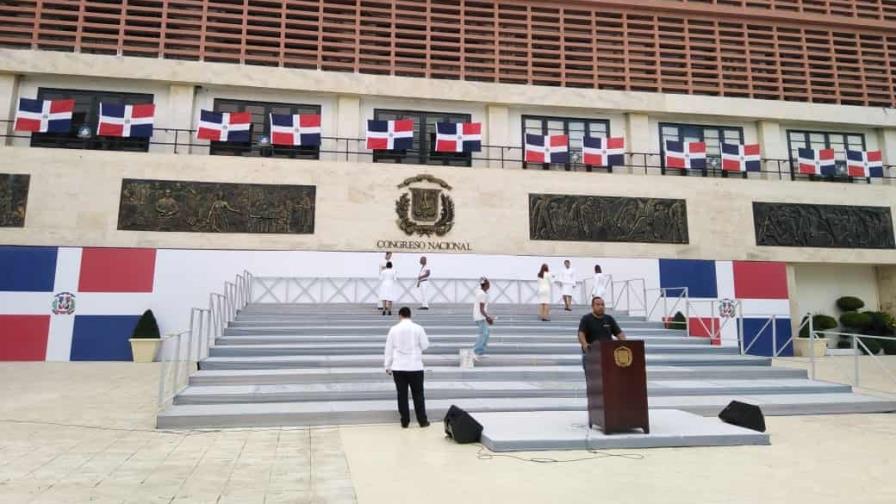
<point x="568" y="430"/>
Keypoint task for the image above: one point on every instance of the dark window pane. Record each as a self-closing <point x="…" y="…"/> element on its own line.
<point x="422" y="150"/>
<point x="260" y="127"/>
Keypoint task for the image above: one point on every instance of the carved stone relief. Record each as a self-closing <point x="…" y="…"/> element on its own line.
<point x="830" y="226"/>
<point x="13" y="199"/>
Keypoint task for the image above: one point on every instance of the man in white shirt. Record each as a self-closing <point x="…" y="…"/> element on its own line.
<point x="567" y="284"/>
<point x="423" y="283"/>
<point x="481" y="318"/>
<point x="386" y="259"/>
<point x="404" y="361"/>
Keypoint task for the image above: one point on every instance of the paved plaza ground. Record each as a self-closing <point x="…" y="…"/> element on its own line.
<point x="83" y="432"/>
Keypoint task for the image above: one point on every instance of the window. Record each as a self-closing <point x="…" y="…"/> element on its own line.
<point x="87" y="112"/>
<point x="840" y="142"/>
<point x="261" y="126"/>
<point x="576" y="129"/>
<point x="712" y="136"/>
<point x="422" y="151"/>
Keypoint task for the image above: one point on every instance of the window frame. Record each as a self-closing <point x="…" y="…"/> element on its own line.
<point x="252" y="147"/>
<point x="425" y="154"/>
<point x="571" y="165"/>
<point x="702" y="128"/>
<point x="839" y="156"/>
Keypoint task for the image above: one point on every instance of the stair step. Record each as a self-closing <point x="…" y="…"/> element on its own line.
<point x="447" y="338"/>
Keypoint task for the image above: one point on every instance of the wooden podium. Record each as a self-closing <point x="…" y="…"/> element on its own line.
<point x="616" y="382"/>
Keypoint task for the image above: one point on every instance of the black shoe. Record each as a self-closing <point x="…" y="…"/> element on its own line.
<point x="390" y="313"/>
<point x="384" y="313"/>
<point x="424" y="308"/>
<point x="424" y="424"/>
<point x="404" y="425"/>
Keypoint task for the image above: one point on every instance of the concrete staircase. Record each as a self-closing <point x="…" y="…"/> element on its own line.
<point x="322" y="365"/>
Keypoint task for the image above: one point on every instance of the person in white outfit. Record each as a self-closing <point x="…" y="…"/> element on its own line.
<point x="567" y="284"/>
<point x="387" y="287"/>
<point x="545" y="279"/>
<point x="386" y="258"/>
<point x="601" y="283"/>
<point x="404" y="361"/>
<point x="423" y="283"/>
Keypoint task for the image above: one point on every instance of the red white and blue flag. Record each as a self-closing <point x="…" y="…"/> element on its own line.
<point x="741" y="158"/>
<point x="817" y="162"/>
<point x="224" y="126"/>
<point x="603" y="151"/>
<point x="458" y="137"/>
<point x="44" y="116"/>
<point x="71" y="303"/>
<point x="295" y="129"/>
<point x="128" y="121"/>
<point x="685" y="155"/>
<point x="390" y="135"/>
<point x="547" y="148"/>
<point x="864" y="163"/>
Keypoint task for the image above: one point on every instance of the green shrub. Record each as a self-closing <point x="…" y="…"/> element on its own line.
<point x="820" y="322"/>
<point x="881" y="323"/>
<point x="679" y="321"/>
<point x="855" y="320"/>
<point x="889" y="347"/>
<point x="872" y="344"/>
<point x="850" y="303"/>
<point x="146" y="326"/>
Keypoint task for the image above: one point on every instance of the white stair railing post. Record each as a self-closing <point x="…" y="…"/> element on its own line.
<point x="811" y="346"/>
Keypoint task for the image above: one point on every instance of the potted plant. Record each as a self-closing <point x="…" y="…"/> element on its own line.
<point x="819" y="346"/>
<point x="145" y="339"/>
<point x="679" y="321"/>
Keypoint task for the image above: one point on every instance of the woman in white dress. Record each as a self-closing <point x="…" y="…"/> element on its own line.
<point x="567" y="284"/>
<point x="601" y="283"/>
<point x="545" y="279"/>
<point x="387" y="287"/>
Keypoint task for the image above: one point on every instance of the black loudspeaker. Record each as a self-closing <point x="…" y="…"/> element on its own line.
<point x="743" y="415"/>
<point x="461" y="427"/>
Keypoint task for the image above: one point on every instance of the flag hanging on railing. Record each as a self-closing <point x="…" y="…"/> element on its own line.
<point x="224" y="126"/>
<point x="129" y="121"/>
<point x="295" y="129"/>
<point x="44" y="116"/>
<point x="685" y="155"/>
<point x="817" y="162"/>
<point x="864" y="163"/>
<point x="390" y="135"/>
<point x="547" y="148"/>
<point x="458" y="137"/>
<point x="603" y="151"/>
<point x="741" y="158"/>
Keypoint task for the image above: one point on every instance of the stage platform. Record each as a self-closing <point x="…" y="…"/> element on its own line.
<point x="568" y="430"/>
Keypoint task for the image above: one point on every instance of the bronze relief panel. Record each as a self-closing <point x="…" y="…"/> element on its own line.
<point x="827" y="226"/>
<point x="13" y="199"/>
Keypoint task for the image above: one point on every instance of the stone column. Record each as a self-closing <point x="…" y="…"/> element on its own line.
<point x="795" y="316"/>
<point x="886" y="287"/>
<point x="9" y="95"/>
<point x="498" y="137"/>
<point x="178" y="115"/>
<point x="637" y="144"/>
<point x="348" y="128"/>
<point x="773" y="145"/>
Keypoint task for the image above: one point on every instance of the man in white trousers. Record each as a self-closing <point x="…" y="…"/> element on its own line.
<point x="423" y="283"/>
<point x="386" y="259"/>
<point x="404" y="361"/>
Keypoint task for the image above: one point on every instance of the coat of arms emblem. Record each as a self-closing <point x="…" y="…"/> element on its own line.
<point x="63" y="303"/>
<point x="424" y="209"/>
<point x="623" y="356"/>
<point x="727" y="308"/>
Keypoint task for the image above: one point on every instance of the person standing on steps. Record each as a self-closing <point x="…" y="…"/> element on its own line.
<point x="404" y="361"/>
<point x="601" y="283"/>
<point x="597" y="326"/>
<point x="387" y="287"/>
<point x="482" y="318"/>
<point x="567" y="284"/>
<point x="545" y="279"/>
<point x="423" y="283"/>
<point x="386" y="258"/>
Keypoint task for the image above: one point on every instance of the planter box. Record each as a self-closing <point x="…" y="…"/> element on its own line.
<point x="801" y="347"/>
<point x="145" y="349"/>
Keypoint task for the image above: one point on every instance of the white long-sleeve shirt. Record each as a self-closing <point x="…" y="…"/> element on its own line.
<point x="404" y="347"/>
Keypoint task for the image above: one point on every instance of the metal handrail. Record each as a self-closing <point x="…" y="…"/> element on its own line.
<point x="663" y="295"/>
<point x="714" y="332"/>
<point x="856" y="342"/>
<point x="628" y="288"/>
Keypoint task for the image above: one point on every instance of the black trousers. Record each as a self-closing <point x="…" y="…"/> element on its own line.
<point x="414" y="379"/>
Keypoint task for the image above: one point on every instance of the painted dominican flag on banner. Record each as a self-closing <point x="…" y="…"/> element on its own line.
<point x="129" y="121"/>
<point x="547" y="148"/>
<point x="603" y="151"/>
<point x="741" y="158"/>
<point x="817" y="162"/>
<point x="295" y="129"/>
<point x="390" y="135"/>
<point x="224" y="126"/>
<point x="73" y="303"/>
<point x="458" y="137"/>
<point x="685" y="155"/>
<point x="864" y="163"/>
<point x="44" y="116"/>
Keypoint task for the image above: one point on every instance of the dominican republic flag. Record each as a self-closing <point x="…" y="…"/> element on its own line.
<point x="72" y="303"/>
<point x="462" y="137"/>
<point x="741" y="158"/>
<point x="547" y="149"/>
<point x="817" y="162"/>
<point x="44" y="116"/>
<point x="390" y="135"/>
<point x="864" y="164"/>
<point x="224" y="126"/>
<point x="685" y="155"/>
<point x="603" y="151"/>
<point x="295" y="129"/>
<point x="129" y="121"/>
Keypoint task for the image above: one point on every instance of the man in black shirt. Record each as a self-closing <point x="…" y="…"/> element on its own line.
<point x="597" y="326"/>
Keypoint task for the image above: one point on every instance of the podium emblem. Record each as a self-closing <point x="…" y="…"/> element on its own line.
<point x="622" y="356"/>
